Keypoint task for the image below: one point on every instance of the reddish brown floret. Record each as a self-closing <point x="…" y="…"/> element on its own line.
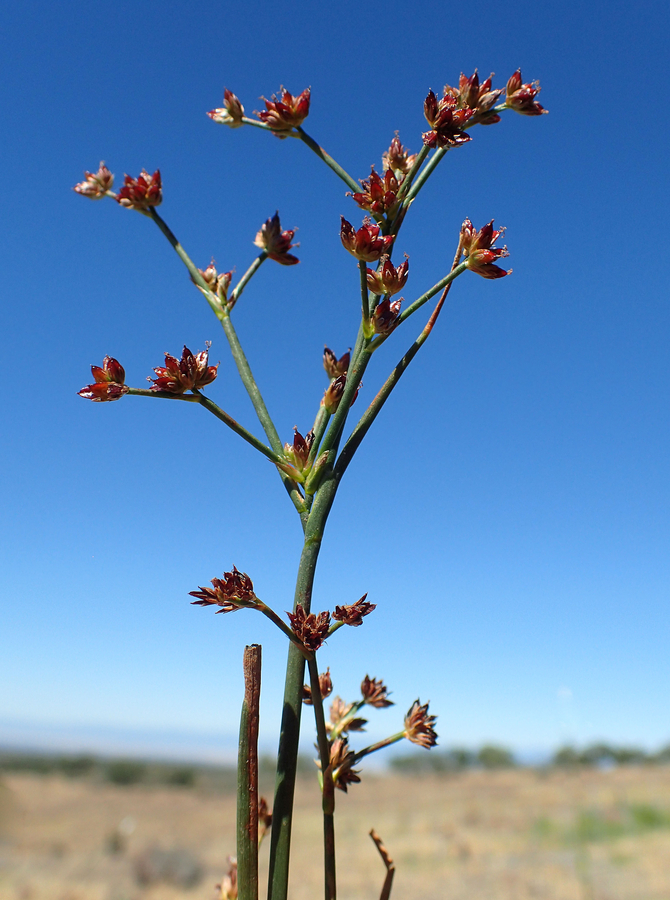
<point x="230" y="113"/>
<point x="386" y="315"/>
<point x="185" y="374"/>
<point x="276" y="242"/>
<point x="398" y="158"/>
<point x="375" y="693"/>
<point x="234" y="590"/>
<point x="446" y="121"/>
<point x="141" y="192"/>
<point x="419" y="726"/>
<point x="341" y="761"/>
<point x="521" y="97"/>
<point x="334" y="391"/>
<point x="366" y="243"/>
<point x="285" y="113"/>
<point x="297" y="455"/>
<point x="217" y="284"/>
<point x="353" y="614"/>
<point x="470" y="94"/>
<point x="388" y="279"/>
<point x="264" y="817"/>
<point x="109" y="382"/>
<point x="95" y="184"/>
<point x="325" y="688"/>
<point x="335" y="367"/>
<point x="309" y="628"/>
<point x="379" y="194"/>
<point x="480" y="252"/>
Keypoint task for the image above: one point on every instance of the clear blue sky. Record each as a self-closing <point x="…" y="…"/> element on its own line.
<point x="509" y="512"/>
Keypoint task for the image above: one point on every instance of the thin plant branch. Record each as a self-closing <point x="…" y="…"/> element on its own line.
<point x="244" y="280"/>
<point x="328" y="800"/>
<point x="388" y="862"/>
<point x="329" y="161"/>
<point x="247" y="778"/>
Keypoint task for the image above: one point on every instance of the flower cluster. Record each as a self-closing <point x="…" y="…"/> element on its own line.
<point x="388" y="279"/>
<point x="310" y="628"/>
<point x="380" y="193"/>
<point x="366" y="243"/>
<point x="285" y="113"/>
<point x="334" y="392"/>
<point x="230" y="113"/>
<point x="325" y="688"/>
<point x="141" y="192"/>
<point x="109" y="382"/>
<point x="297" y="455"/>
<point x="353" y="614"/>
<point x="375" y="693"/>
<point x="185" y="374"/>
<point x="217" y="284"/>
<point x="234" y="590"/>
<point x="480" y="252"/>
<point x="335" y="367"/>
<point x="276" y="242"/>
<point x="95" y="184"/>
<point x="479" y="98"/>
<point x="342" y="760"/>
<point x="398" y="158"/>
<point x="446" y="121"/>
<point x="419" y="726"/>
<point x="386" y="315"/>
<point x="521" y="97"/>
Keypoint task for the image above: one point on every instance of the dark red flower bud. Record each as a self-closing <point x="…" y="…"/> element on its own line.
<point x="470" y="94"/>
<point x="398" y="158"/>
<point x="297" y="455"/>
<point x="353" y="614"/>
<point x="365" y="244"/>
<point x="234" y="590"/>
<point x="379" y="194"/>
<point x="419" y="726"/>
<point x="480" y="252"/>
<point x="375" y="693"/>
<point x="282" y="115"/>
<point x="276" y="242"/>
<point x="333" y="395"/>
<point x="521" y="97"/>
<point x="385" y="316"/>
<point x="325" y="688"/>
<point x="141" y="192"/>
<point x="388" y="279"/>
<point x="335" y="367"/>
<point x="309" y="628"/>
<point x="185" y="374"/>
<point x="230" y="113"/>
<point x="95" y="185"/>
<point x="109" y="382"/>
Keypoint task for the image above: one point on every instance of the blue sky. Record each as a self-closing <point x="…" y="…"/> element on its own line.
<point x="509" y="511"/>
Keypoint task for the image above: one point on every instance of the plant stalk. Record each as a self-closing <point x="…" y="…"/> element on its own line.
<point x="247" y="778"/>
<point x="328" y="795"/>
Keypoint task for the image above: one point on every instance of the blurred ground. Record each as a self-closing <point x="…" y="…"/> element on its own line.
<point x="508" y="835"/>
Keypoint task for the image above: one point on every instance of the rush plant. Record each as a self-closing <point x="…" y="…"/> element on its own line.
<point x="311" y="466"/>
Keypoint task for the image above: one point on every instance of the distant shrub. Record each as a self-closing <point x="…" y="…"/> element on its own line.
<point x="76" y="766"/>
<point x="125" y="771"/>
<point x="491" y="756"/>
<point x="182" y="776"/>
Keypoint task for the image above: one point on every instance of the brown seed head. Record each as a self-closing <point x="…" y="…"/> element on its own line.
<point x="342" y="760"/>
<point x="365" y="244"/>
<point x="480" y="98"/>
<point x="385" y="316"/>
<point x="419" y="726"/>
<point x="141" y="192"/>
<point x="109" y="382"/>
<point x="446" y="121"/>
<point x="309" y="628"/>
<point x="375" y="693"/>
<point x="230" y="113"/>
<point x="379" y="194"/>
<point x="185" y="374"/>
<point x="353" y="614"/>
<point x="325" y="688"/>
<point x="234" y="590"/>
<point x="285" y="113"/>
<point x="95" y="184"/>
<point x="335" y="367"/>
<point x="276" y="242"/>
<point x="480" y="252"/>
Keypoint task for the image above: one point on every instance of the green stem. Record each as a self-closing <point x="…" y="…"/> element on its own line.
<point x="247" y="778"/>
<point x="425" y="175"/>
<point x="257" y="124"/>
<point x="365" y="297"/>
<point x="328" y="797"/>
<point x="283" y="627"/>
<point x="287" y="756"/>
<point x="329" y="161"/>
<point x="318" y="430"/>
<point x="411" y="175"/>
<point x="354" y="375"/>
<point x="424" y="298"/>
<point x="244" y="280"/>
<point x="366" y="751"/>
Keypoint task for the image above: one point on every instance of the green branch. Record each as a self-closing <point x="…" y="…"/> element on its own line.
<point x="329" y="161"/>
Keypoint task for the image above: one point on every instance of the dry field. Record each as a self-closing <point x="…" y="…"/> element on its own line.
<point x="512" y="835"/>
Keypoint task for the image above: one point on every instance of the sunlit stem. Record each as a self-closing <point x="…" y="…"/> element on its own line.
<point x="328" y="797"/>
<point x="425" y="175"/>
<point x="387" y="742"/>
<point x="342" y="725"/>
<point x="329" y="161"/>
<point x="318" y="430"/>
<point x="244" y="280"/>
<point x="257" y="124"/>
<point x="365" y="299"/>
<point x="411" y="175"/>
<point x="247" y="778"/>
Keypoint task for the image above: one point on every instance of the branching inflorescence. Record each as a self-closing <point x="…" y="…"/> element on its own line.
<point x="311" y="466"/>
